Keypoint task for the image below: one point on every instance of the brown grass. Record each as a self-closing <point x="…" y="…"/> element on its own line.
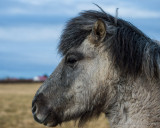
<point x="15" y="108"/>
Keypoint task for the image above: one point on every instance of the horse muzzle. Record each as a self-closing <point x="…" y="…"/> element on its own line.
<point x="43" y="114"/>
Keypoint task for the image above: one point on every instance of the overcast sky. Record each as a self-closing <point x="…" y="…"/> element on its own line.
<point x="30" y="29"/>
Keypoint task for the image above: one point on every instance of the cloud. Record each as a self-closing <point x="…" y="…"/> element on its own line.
<point x="39" y="7"/>
<point x="138" y="13"/>
<point x="30" y="33"/>
<point x="125" y="11"/>
<point x="71" y="8"/>
<point x="46" y="2"/>
<point x="35" y="2"/>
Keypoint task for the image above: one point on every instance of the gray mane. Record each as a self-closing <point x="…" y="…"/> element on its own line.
<point x="131" y="51"/>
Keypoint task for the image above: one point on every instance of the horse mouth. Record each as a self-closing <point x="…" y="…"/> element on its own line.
<point x="51" y="120"/>
<point x="52" y="123"/>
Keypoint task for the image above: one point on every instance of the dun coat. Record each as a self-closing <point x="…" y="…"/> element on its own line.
<point x="108" y="66"/>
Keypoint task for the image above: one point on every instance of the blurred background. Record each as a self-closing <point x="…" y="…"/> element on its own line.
<point x="29" y="35"/>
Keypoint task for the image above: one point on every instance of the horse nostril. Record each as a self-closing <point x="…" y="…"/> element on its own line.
<point x="36" y="101"/>
<point x="38" y="107"/>
<point x="34" y="106"/>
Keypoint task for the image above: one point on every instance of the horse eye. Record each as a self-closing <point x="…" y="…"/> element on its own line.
<point x="71" y="60"/>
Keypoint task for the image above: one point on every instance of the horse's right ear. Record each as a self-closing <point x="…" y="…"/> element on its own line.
<point x="98" y="32"/>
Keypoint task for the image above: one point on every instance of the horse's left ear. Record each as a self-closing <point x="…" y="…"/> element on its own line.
<point x="98" y="31"/>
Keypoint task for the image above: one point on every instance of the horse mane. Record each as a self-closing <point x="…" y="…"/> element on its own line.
<point x="131" y="51"/>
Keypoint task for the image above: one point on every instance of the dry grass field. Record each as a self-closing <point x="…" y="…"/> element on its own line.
<point x="15" y="108"/>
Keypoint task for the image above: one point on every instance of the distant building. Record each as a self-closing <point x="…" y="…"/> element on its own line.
<point x="16" y="80"/>
<point x="23" y="80"/>
<point x="39" y="78"/>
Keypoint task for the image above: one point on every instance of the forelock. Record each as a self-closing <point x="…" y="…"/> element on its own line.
<point x="78" y="28"/>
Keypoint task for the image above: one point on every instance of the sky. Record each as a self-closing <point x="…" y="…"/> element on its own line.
<point x="30" y="30"/>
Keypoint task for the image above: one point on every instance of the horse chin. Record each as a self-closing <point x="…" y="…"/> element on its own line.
<point x="52" y="121"/>
<point x="51" y="124"/>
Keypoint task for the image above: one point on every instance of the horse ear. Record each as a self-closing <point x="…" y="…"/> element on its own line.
<point x="98" y="31"/>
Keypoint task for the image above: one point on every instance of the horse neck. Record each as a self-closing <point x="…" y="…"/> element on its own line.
<point x="137" y="105"/>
